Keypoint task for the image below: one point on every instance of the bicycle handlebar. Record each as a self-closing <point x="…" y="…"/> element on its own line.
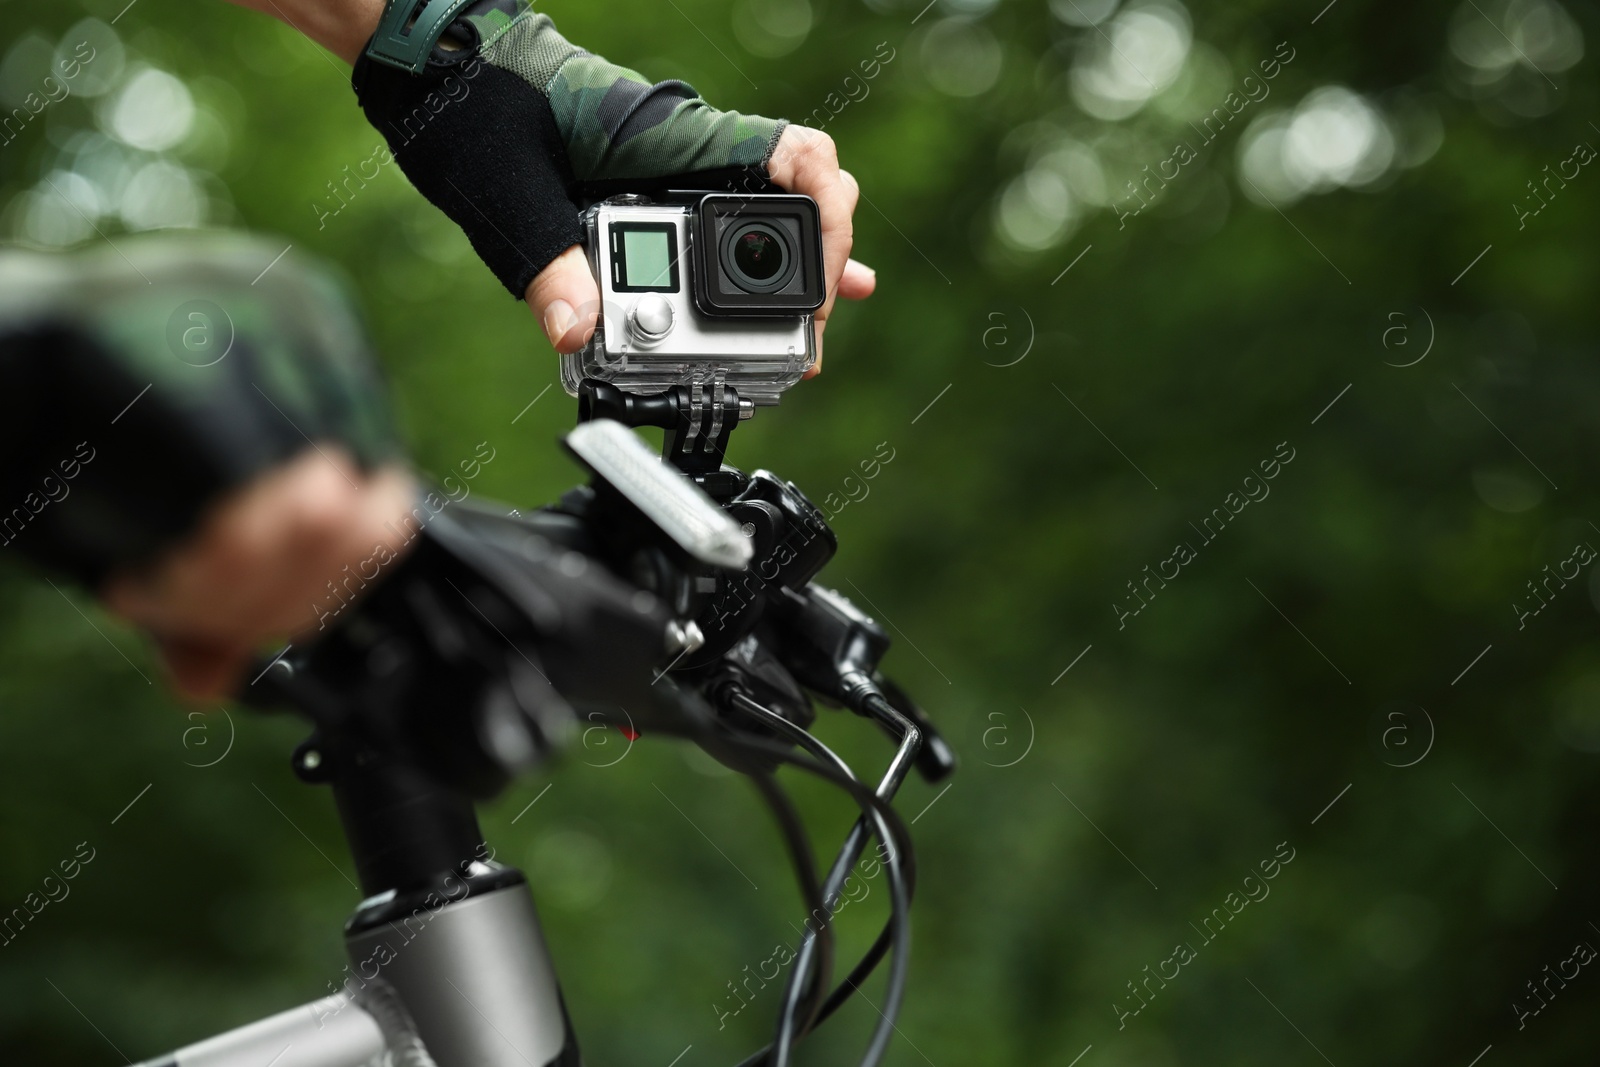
<point x="473" y="660"/>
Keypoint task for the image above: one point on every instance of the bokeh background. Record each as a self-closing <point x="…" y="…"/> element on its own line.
<point x="1073" y="364"/>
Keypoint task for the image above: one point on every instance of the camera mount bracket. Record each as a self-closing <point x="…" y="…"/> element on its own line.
<point x="698" y="417"/>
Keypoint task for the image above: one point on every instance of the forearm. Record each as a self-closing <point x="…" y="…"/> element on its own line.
<point x="341" y="26"/>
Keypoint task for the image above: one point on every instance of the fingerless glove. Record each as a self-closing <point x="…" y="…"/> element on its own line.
<point x="509" y="125"/>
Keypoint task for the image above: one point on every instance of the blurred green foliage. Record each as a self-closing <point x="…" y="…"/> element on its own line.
<point x="1177" y="752"/>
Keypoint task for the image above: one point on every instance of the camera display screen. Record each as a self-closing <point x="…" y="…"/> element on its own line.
<point x="648" y="260"/>
<point x="644" y="257"/>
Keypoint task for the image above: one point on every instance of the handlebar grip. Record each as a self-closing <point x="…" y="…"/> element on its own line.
<point x="475" y="656"/>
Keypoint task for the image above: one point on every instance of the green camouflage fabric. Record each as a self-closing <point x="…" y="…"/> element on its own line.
<point x="615" y="123"/>
<point x="207" y="317"/>
<point x="139" y="381"/>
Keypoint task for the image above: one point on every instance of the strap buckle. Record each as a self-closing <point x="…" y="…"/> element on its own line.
<point x="406" y="36"/>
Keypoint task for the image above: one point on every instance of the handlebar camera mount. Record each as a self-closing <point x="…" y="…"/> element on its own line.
<point x="699" y="418"/>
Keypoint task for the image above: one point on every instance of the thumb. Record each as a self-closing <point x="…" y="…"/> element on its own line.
<point x="565" y="300"/>
<point x="201" y="671"/>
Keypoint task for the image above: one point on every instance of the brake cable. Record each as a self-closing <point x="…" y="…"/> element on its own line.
<point x="897" y="931"/>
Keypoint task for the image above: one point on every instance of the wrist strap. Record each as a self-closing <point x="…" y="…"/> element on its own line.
<point x="406" y="42"/>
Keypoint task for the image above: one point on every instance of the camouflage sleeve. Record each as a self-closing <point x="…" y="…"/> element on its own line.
<point x="615" y="124"/>
<point x="138" y="383"/>
<point x="508" y="125"/>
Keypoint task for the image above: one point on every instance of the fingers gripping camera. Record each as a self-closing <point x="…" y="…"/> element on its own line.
<point x="702" y="288"/>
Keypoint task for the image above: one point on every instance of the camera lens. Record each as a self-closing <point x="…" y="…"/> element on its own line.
<point x="757" y="257"/>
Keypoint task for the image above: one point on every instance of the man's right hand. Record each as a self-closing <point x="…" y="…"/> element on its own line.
<point x="261" y="564"/>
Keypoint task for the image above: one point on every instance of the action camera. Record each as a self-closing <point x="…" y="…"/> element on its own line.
<point x="701" y="288"/>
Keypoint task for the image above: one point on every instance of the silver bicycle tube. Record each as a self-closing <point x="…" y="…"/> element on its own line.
<point x="475" y="978"/>
<point x="331" y="1032"/>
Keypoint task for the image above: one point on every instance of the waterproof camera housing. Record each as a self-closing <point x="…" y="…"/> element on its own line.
<point x="702" y="289"/>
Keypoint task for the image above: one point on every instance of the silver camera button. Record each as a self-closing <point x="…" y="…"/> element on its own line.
<point x="651" y="318"/>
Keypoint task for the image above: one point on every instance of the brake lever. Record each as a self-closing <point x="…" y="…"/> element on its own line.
<point x="936" y="760"/>
<point x="833" y="648"/>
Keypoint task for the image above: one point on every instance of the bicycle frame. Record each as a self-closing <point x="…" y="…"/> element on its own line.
<point x="452" y="963"/>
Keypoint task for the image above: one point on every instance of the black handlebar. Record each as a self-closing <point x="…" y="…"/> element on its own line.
<point x="475" y="658"/>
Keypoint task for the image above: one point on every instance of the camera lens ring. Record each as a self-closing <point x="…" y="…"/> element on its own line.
<point x="746" y="241"/>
